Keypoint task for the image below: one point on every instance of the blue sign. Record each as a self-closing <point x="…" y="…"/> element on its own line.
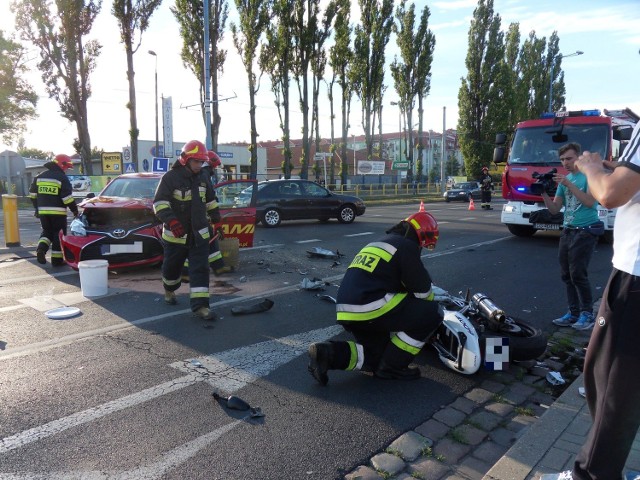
<point x="225" y="154"/>
<point x="160" y="151"/>
<point x="145" y="165"/>
<point x="129" y="168"/>
<point x="160" y="165"/>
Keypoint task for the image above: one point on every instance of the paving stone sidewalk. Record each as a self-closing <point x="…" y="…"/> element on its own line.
<point x="465" y="439"/>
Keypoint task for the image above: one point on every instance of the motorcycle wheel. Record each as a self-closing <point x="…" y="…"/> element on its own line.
<point x="525" y="341"/>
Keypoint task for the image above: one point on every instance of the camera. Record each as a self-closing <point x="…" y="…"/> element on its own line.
<point x="544" y="182"/>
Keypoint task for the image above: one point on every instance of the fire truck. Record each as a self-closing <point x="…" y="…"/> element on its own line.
<point x="533" y="154"/>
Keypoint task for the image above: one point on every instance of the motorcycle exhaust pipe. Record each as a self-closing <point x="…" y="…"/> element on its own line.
<point x="487" y="308"/>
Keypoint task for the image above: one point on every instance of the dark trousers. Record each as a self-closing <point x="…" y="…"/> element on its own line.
<point x="417" y="318"/>
<point x="174" y="258"/>
<point x="51" y="226"/>
<point x="574" y="254"/>
<point x="485" y="196"/>
<point x="612" y="381"/>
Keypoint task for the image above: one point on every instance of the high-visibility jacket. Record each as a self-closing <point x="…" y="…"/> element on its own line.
<point x="380" y="276"/>
<point x="51" y="192"/>
<point x="173" y="200"/>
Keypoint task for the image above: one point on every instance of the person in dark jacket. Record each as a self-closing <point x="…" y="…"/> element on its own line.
<point x="51" y="195"/>
<point x="186" y="204"/>
<point x="486" y="187"/>
<point x="385" y="300"/>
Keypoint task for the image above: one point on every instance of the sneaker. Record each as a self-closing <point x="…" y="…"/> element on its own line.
<point x="40" y="254"/>
<point x="566" y="320"/>
<point x="319" y="354"/>
<point x="585" y="321"/>
<point x="170" y="298"/>
<point x="566" y="475"/>
<point x="205" y="314"/>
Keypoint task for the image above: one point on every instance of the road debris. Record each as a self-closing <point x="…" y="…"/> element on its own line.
<point x="259" y="307"/>
<point x="315" y="284"/>
<point x="317" y="252"/>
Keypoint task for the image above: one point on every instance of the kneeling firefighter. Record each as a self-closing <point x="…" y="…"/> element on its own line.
<point x="385" y="301"/>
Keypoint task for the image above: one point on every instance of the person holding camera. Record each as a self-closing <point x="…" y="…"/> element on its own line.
<point x="581" y="229"/>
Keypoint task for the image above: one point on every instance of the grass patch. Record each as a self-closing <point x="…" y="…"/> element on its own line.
<point x="457" y="436"/>
<point x="526" y="411"/>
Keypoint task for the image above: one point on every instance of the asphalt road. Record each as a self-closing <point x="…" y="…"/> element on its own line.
<point x="124" y="389"/>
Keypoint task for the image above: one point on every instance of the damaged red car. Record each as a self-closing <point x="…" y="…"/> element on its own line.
<point x="119" y="225"/>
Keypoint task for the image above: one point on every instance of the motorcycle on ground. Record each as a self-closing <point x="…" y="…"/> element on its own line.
<point x="476" y="331"/>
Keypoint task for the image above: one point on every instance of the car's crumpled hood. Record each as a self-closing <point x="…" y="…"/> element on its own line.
<point x="117" y="202"/>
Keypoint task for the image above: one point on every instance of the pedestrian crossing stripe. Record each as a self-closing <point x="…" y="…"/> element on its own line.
<point x="130" y="168"/>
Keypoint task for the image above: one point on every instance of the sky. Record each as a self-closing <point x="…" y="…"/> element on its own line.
<point x="607" y="75"/>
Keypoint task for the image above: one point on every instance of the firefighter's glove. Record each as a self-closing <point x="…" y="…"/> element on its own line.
<point x="176" y="228"/>
<point x="214" y="216"/>
<point x="431" y="296"/>
<point x="36" y="214"/>
<point x="220" y="232"/>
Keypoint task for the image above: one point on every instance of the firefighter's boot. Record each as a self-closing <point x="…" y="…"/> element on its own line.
<point x="205" y="313"/>
<point x="41" y="256"/>
<point x="320" y="361"/>
<point x="395" y="364"/>
<point x="170" y="298"/>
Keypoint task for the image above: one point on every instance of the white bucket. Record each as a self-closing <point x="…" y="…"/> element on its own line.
<point x="93" y="277"/>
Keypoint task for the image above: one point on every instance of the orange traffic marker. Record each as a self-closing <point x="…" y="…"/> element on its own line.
<point x="421" y="206"/>
<point x="472" y="206"/>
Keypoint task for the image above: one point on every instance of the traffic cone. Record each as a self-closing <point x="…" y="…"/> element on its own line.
<point x="421" y="206"/>
<point x="472" y="206"/>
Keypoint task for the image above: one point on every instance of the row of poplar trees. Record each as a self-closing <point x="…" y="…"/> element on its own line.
<point x="296" y="40"/>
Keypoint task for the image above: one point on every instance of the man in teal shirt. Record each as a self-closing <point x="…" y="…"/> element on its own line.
<point x="578" y="239"/>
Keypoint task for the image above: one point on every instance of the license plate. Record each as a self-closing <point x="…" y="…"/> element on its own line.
<point x="114" y="249"/>
<point x="546" y="226"/>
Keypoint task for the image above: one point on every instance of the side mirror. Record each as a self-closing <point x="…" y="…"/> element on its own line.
<point x="498" y="155"/>
<point x="90" y="195"/>
<point x="622" y="134"/>
<point x="501" y="139"/>
<point x="559" y="138"/>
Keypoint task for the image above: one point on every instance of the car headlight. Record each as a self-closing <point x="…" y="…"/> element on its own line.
<point x="78" y="228"/>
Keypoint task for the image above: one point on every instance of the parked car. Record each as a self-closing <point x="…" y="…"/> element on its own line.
<point x="119" y="224"/>
<point x="279" y="200"/>
<point x="464" y="192"/>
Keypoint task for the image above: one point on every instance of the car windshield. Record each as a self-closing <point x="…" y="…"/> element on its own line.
<point x="467" y="186"/>
<point x="535" y="145"/>
<point x="131" y="187"/>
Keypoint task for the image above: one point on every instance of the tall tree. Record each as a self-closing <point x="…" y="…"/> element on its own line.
<point x="533" y="83"/>
<point x="254" y="16"/>
<point x="554" y="58"/>
<point x="17" y="98"/>
<point x="318" y="64"/>
<point x="340" y="55"/>
<point x="133" y="17"/>
<point x="412" y="76"/>
<point x="66" y="57"/>
<point x="305" y="25"/>
<point x="190" y="17"/>
<point x="478" y="93"/>
<point x="367" y="74"/>
<point x="276" y="58"/>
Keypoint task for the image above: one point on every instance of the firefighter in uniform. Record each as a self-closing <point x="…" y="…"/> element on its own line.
<point x="51" y="195"/>
<point x="486" y="187"/>
<point x="216" y="262"/>
<point x="385" y="301"/>
<point x="186" y="204"/>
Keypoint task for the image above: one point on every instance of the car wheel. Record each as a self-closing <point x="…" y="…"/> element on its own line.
<point x="347" y="214"/>
<point x="271" y="217"/>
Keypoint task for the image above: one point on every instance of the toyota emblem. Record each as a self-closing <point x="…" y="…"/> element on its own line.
<point x="119" y="232"/>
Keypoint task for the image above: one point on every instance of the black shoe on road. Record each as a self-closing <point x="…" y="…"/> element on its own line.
<point x="319" y="361"/>
<point x="41" y="257"/>
<point x="394" y="373"/>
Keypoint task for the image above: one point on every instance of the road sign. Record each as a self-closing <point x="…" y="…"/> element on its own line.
<point x="160" y="165"/>
<point x="400" y="165"/>
<point x="145" y="165"/>
<point x="126" y="154"/>
<point x="111" y="162"/>
<point x="129" y="168"/>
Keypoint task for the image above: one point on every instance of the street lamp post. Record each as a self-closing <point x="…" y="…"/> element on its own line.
<point x="157" y="152"/>
<point x="553" y="64"/>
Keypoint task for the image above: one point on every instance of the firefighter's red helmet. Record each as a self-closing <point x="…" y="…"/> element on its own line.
<point x="63" y="161"/>
<point x="426" y="227"/>
<point x="193" y="149"/>
<point x="214" y="159"/>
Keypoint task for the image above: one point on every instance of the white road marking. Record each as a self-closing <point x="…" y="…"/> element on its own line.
<point x="467" y="218"/>
<point x="229" y="371"/>
<point x="359" y="234"/>
<point x="308" y="241"/>
<point x="462" y="248"/>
